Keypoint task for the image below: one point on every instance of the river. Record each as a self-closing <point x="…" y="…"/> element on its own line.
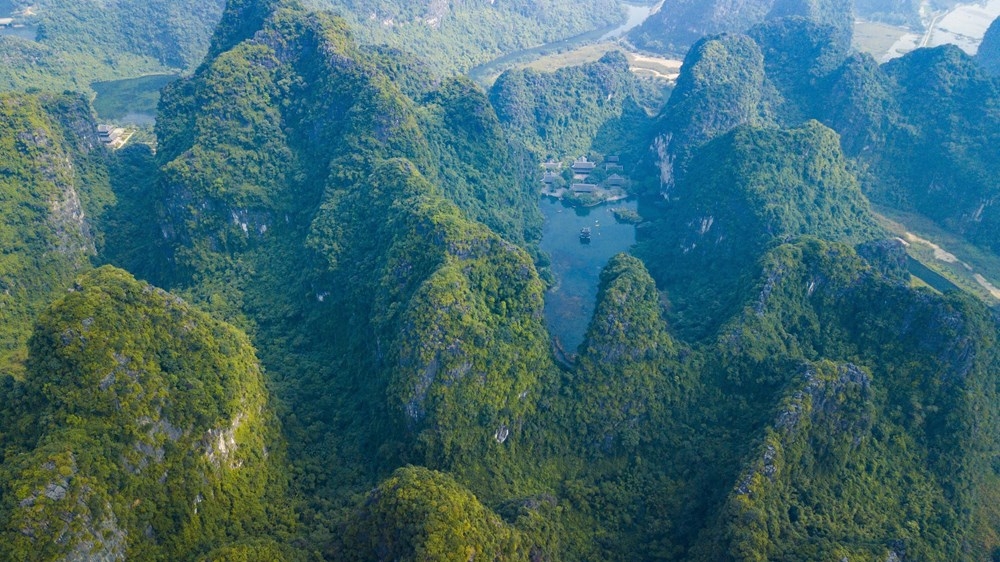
<point x="964" y="25"/>
<point x="577" y="267"/>
<point x="635" y="14"/>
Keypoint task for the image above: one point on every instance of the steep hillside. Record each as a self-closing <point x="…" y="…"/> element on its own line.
<point x="760" y="381"/>
<point x="721" y="86"/>
<point x="988" y="55"/>
<point x="148" y="432"/>
<point x="375" y="246"/>
<point x="681" y="23"/>
<point x="860" y="105"/>
<point x="52" y="168"/>
<point x="858" y="437"/>
<point x="943" y="161"/>
<point x="456" y="36"/>
<point x="419" y="514"/>
<point x="82" y="42"/>
<point x="559" y="114"/>
<point x="799" y="55"/>
<point x="742" y="193"/>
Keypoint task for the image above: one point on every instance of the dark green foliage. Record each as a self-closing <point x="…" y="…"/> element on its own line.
<point x="559" y="114"/>
<point x="255" y="550"/>
<point x="51" y="170"/>
<point x="129" y="242"/>
<point x="988" y="55"/>
<point x="372" y="226"/>
<point x="479" y="169"/>
<point x="84" y="41"/>
<point x="154" y="436"/>
<point x="895" y="405"/>
<point x="420" y="514"/>
<point x="859" y="104"/>
<point x="835" y="15"/>
<point x="455" y="37"/>
<point x="240" y="20"/>
<point x="628" y="372"/>
<point x="721" y="86"/>
<point x="799" y="53"/>
<point x="944" y="159"/>
<point x="743" y="193"/>
<point x="304" y="196"/>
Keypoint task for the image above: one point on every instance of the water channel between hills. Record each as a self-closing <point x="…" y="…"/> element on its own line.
<point x="576" y="266"/>
<point x="635" y="14"/>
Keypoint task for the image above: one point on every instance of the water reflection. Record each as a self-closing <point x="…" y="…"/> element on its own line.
<point x="577" y="265"/>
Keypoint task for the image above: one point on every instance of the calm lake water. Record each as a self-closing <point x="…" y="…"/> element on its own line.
<point x="131" y="101"/>
<point x="577" y="267"/>
<point x="28" y="32"/>
<point x="635" y="15"/>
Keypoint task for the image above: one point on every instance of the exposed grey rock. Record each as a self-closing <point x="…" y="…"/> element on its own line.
<point x="55" y="492"/>
<point x="502" y="433"/>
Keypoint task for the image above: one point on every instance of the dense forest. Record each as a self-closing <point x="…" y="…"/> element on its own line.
<point x="78" y="43"/>
<point x="310" y="324"/>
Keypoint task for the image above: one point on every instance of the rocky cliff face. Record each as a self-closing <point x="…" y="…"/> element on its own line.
<point x="51" y="165"/>
<point x="721" y="86"/>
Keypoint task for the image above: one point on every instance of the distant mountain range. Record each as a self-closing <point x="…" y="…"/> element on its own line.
<point x="337" y="349"/>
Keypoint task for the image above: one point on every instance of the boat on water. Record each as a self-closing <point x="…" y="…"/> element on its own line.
<point x="585" y="235"/>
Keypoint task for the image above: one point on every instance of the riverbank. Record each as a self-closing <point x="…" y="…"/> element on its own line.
<point x="487" y="73"/>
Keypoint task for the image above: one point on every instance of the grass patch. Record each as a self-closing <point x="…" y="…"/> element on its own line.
<point x="876" y="38"/>
<point x="641" y="65"/>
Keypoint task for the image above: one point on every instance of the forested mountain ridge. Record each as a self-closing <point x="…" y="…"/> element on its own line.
<point x="908" y="122"/>
<point x="457" y="36"/>
<point x="81" y="42"/>
<point x="681" y="23"/>
<point x="559" y="114"/>
<point x="988" y="55"/>
<point x="303" y="195"/>
<point x="52" y="171"/>
<point x="759" y="381"/>
<point x="146" y="432"/>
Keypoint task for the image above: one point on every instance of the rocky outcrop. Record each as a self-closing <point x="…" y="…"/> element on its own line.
<point x="146" y="402"/>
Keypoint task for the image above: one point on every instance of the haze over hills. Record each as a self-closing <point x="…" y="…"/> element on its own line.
<point x="78" y="43"/>
<point x="340" y="352"/>
<point x="81" y="42"/>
